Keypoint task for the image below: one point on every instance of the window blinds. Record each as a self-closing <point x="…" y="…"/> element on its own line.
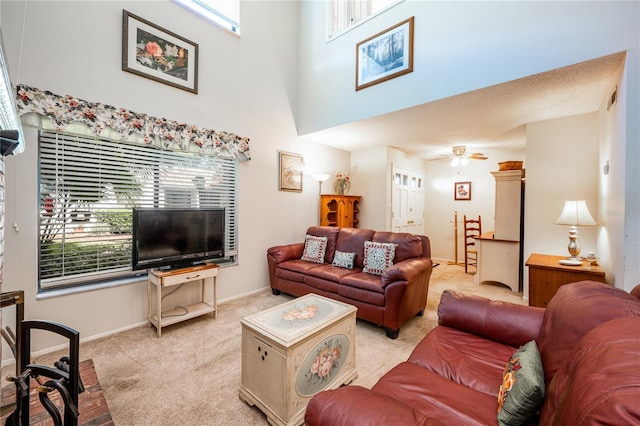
<point x="88" y="188"/>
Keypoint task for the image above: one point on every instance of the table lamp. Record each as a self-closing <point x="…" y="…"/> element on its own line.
<point x="574" y="214"/>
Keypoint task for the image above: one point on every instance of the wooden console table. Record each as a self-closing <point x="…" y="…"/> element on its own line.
<point x="202" y="274"/>
<point x="546" y="276"/>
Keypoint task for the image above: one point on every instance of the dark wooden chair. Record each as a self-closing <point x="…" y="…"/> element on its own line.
<point x="472" y="229"/>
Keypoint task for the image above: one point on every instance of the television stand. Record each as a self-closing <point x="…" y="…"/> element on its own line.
<point x="205" y="275"/>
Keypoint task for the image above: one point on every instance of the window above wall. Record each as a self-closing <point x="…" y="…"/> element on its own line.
<point x="346" y="14"/>
<point x="224" y="13"/>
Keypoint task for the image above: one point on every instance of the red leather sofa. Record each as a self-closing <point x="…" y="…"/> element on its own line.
<point x="589" y="343"/>
<point x="389" y="300"/>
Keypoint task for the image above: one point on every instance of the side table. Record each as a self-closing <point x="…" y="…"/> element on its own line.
<point x="546" y="276"/>
<point x="203" y="274"/>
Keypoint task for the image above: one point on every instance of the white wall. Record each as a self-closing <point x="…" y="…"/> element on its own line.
<point x="369" y="172"/>
<point x="612" y="183"/>
<point x="247" y="85"/>
<point x="631" y="87"/>
<point x="563" y="164"/>
<point x="458" y="47"/>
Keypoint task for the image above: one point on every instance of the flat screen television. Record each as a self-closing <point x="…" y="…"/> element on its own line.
<point x="169" y="238"/>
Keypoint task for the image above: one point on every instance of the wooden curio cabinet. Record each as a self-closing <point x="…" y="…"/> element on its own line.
<point x="339" y="210"/>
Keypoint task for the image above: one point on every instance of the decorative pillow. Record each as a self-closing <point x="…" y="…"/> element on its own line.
<point x="378" y="257"/>
<point x="522" y="390"/>
<point x="343" y="260"/>
<point x="314" y="248"/>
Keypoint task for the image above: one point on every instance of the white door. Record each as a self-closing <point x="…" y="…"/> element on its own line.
<point x="407" y="201"/>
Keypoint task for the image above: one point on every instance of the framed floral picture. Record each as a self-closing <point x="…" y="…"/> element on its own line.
<point x="290" y="171"/>
<point x="462" y="191"/>
<point x="386" y="55"/>
<point x="153" y="52"/>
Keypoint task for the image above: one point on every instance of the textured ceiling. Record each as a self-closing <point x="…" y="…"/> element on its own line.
<point x="493" y="117"/>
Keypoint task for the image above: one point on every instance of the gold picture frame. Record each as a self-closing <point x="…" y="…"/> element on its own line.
<point x="290" y="166"/>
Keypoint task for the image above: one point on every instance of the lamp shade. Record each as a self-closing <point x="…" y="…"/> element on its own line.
<point x="576" y="213"/>
<point x="320" y="177"/>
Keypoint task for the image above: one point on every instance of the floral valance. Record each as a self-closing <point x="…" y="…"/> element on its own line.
<point x="66" y="112"/>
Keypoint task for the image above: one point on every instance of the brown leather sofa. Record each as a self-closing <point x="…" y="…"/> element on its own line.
<point x="589" y="343"/>
<point x="389" y="300"/>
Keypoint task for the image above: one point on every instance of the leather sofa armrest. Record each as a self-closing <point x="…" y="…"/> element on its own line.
<point x="406" y="270"/>
<point x="355" y="405"/>
<point x="503" y="322"/>
<point x="286" y="252"/>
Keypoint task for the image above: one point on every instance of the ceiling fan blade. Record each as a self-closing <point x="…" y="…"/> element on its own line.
<point x="441" y="157"/>
<point x="478" y="156"/>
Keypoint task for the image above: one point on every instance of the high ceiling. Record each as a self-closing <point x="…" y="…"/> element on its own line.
<point x="487" y="118"/>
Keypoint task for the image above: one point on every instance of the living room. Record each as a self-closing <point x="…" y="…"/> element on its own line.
<point x="280" y="82"/>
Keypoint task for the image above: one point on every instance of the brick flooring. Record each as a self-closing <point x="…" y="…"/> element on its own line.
<point x="93" y="407"/>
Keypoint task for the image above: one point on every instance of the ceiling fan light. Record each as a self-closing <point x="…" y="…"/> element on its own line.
<point x="459" y="150"/>
<point x="464" y="161"/>
<point x="455" y="161"/>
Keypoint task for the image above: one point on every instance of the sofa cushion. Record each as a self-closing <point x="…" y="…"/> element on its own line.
<point x="437" y="397"/>
<point x="314" y="248"/>
<point x="343" y="259"/>
<point x="330" y="272"/>
<point x="574" y="310"/>
<point x="351" y="240"/>
<point x="378" y="257"/>
<point x="361" y="402"/>
<point x="464" y="358"/>
<point x="363" y="281"/>
<point x="522" y="390"/>
<point x="363" y="287"/>
<point x="599" y="382"/>
<point x="408" y="245"/>
<point x="298" y="266"/>
<point x="321" y="284"/>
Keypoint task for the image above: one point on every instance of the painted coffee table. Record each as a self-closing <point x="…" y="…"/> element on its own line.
<point x="295" y="350"/>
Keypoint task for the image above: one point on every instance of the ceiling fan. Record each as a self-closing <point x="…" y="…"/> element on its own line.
<point x="461" y="158"/>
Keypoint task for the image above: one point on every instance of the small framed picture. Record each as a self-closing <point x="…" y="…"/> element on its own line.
<point x="153" y="52"/>
<point x="290" y="171"/>
<point x="462" y="191"/>
<point x="386" y="55"/>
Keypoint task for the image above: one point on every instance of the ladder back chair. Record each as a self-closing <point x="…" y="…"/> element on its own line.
<point x="472" y="229"/>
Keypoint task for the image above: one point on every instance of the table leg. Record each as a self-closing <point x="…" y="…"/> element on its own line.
<point x="159" y="307"/>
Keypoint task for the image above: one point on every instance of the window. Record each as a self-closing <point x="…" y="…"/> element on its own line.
<point x="88" y="188"/>
<point x="225" y="13"/>
<point x="347" y="13"/>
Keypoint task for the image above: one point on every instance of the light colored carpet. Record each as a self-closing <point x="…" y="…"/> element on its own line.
<point x="191" y="375"/>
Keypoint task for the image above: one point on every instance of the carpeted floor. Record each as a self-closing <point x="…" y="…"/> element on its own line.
<point x="191" y="375"/>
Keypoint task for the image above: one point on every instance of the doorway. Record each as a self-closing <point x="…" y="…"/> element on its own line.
<point x="407" y="200"/>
